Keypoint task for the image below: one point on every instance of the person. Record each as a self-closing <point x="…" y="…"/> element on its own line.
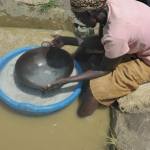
<point x="125" y="31"/>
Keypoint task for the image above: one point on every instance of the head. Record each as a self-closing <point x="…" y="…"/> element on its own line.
<point x="88" y="11"/>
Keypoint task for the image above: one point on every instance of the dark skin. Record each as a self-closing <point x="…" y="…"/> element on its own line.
<point x="145" y="1"/>
<point x="107" y="65"/>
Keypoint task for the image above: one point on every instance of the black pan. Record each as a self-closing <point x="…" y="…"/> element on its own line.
<point x="39" y="67"/>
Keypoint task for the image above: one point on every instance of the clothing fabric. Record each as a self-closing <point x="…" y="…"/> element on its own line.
<point x="127" y="30"/>
<point x="123" y="80"/>
<point x="83" y="5"/>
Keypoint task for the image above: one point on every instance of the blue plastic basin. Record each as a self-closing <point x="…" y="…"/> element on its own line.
<point x="30" y="108"/>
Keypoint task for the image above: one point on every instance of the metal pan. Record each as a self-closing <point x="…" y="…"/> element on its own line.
<point x="42" y="66"/>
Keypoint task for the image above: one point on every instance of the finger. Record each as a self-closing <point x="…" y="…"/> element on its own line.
<point x="46" y="44"/>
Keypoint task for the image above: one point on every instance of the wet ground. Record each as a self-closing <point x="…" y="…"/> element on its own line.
<point x="63" y="130"/>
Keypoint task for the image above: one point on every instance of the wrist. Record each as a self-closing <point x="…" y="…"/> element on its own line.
<point x="63" y="40"/>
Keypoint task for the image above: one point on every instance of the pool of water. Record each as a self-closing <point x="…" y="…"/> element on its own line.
<point x="63" y="130"/>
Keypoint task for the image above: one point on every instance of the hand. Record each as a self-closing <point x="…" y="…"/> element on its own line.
<point x="56" y="84"/>
<point x="56" y="42"/>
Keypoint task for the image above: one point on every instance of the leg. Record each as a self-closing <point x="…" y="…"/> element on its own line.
<point x="123" y="80"/>
<point x="89" y="57"/>
<point x="88" y="103"/>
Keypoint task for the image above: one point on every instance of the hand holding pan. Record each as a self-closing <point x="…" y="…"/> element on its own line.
<point x="90" y="74"/>
<point x="56" y="42"/>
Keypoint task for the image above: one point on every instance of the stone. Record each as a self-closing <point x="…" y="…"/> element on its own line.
<point x="137" y="101"/>
<point x="33" y="2"/>
<point x="132" y="130"/>
<point x="19" y="13"/>
<point x="130" y="126"/>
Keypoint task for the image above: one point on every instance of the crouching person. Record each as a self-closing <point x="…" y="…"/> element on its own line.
<point x="126" y="31"/>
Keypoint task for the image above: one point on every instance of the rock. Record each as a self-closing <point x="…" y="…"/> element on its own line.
<point x="64" y="4"/>
<point x="132" y="130"/>
<point x="137" y="101"/>
<point x="17" y="13"/>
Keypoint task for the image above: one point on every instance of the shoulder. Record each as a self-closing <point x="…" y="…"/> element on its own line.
<point x="117" y="30"/>
<point x="115" y="46"/>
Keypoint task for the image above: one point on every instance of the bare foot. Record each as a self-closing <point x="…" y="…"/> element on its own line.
<point x="88" y="105"/>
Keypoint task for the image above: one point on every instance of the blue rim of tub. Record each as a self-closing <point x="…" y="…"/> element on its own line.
<point x="31" y="108"/>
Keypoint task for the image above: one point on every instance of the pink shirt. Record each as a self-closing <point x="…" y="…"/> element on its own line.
<point x="127" y="30"/>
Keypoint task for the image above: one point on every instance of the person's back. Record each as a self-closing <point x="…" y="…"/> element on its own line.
<point x="128" y="24"/>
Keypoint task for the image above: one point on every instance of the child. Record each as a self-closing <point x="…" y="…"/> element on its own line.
<point x="126" y="31"/>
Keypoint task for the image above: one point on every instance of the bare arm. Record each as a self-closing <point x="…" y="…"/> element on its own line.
<point x="70" y="41"/>
<point x="92" y="42"/>
<point x="107" y="66"/>
<point x="60" y="41"/>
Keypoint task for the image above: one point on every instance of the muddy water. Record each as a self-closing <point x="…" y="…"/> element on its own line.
<point x="59" y="131"/>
